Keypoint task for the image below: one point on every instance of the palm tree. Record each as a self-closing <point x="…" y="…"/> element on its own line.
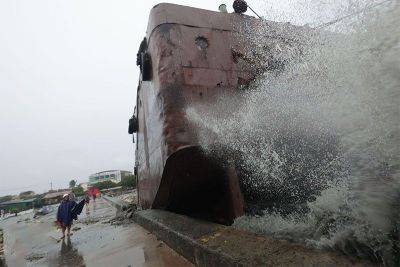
<point x="72" y="184"/>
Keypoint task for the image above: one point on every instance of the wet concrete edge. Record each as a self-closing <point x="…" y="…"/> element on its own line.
<point x="184" y="240"/>
<point x="210" y="244"/>
<point x="120" y="205"/>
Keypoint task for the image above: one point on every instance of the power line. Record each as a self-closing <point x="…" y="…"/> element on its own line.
<point x="254" y="12"/>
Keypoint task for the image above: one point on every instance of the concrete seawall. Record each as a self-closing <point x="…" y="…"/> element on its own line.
<point x="210" y="244"/>
<point x="117" y="203"/>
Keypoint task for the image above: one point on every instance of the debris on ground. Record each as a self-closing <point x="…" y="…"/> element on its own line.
<point x="129" y="211"/>
<point x="130" y="198"/>
<point x="43" y="211"/>
<point x="35" y="256"/>
<point x="89" y="220"/>
<point x="1" y="248"/>
<point x="119" y="220"/>
<point x="76" y="228"/>
<point x="125" y="216"/>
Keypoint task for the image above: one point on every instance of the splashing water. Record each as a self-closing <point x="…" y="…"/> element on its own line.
<point x="324" y="134"/>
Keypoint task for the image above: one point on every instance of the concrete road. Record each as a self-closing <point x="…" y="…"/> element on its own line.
<point x="95" y="242"/>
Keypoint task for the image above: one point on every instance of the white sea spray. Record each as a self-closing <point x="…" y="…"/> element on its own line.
<point x="340" y="98"/>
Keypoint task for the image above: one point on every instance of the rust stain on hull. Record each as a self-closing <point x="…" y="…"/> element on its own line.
<point x="194" y="55"/>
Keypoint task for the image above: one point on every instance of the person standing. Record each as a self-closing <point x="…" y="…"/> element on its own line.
<point x="64" y="215"/>
<point x="87" y="200"/>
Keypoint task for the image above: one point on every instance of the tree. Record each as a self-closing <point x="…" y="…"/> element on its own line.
<point x="14" y="210"/>
<point x="78" y="191"/>
<point x="72" y="184"/>
<point x="128" y="181"/>
<point x="26" y="194"/>
<point x="105" y="185"/>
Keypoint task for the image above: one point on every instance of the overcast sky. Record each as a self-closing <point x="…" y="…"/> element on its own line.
<point x="67" y="88"/>
<point x="68" y="82"/>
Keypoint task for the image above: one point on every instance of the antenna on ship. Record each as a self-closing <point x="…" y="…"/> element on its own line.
<point x="240" y="7"/>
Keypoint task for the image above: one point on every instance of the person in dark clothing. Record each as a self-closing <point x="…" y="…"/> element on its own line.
<point x="77" y="209"/>
<point x="64" y="215"/>
<point x="67" y="212"/>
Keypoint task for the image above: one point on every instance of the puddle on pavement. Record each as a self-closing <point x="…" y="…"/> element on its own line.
<point x="96" y="241"/>
<point x="68" y="255"/>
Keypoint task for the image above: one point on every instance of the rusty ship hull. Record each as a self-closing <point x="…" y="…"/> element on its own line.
<point x="189" y="56"/>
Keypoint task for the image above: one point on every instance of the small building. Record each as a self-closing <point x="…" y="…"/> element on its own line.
<point x="113" y="175"/>
<point x="18" y="205"/>
<point x="85" y="186"/>
<point x="54" y="197"/>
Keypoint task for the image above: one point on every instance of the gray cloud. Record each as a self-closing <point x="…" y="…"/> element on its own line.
<point x="67" y="88"/>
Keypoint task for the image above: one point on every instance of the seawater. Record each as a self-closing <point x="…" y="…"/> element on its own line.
<point x="323" y="131"/>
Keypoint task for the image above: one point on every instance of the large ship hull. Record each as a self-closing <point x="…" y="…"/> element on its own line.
<point x="190" y="56"/>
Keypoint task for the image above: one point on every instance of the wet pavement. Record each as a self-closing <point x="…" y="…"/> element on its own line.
<point x="95" y="242"/>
